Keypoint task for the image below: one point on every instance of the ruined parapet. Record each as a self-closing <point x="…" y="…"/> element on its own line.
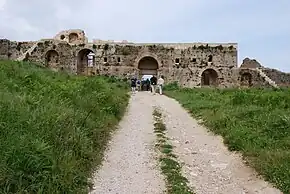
<point x="73" y="36"/>
<point x="99" y="41"/>
<point x="250" y="63"/>
<point x="183" y="46"/>
<point x="26" y="54"/>
<point x="13" y="49"/>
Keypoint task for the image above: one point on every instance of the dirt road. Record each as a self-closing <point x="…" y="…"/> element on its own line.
<point x="131" y="164"/>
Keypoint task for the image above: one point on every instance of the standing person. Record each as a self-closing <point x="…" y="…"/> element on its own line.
<point x="138" y="85"/>
<point x="160" y="84"/>
<point x="147" y="83"/>
<point x="153" y="82"/>
<point x="133" y="84"/>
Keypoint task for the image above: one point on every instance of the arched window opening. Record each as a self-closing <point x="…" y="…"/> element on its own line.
<point x="73" y="37"/>
<point x="51" y="58"/>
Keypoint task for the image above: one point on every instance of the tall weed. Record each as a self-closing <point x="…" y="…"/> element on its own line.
<point x="54" y="127"/>
<point x="255" y="122"/>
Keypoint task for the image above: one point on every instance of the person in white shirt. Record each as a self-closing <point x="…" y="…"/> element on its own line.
<point x="160" y="84"/>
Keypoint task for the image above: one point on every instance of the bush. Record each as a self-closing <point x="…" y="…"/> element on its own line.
<point x="255" y="122"/>
<point x="54" y="127"/>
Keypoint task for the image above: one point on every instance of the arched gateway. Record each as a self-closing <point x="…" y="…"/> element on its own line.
<point x="148" y="66"/>
<point x="83" y="60"/>
<point x="209" y="77"/>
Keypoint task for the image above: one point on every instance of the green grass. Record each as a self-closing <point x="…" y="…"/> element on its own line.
<point x="54" y="127"/>
<point x="175" y="182"/>
<point x="255" y="122"/>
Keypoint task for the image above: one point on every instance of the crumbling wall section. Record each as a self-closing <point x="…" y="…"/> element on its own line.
<point x="4" y="48"/>
<point x="65" y="58"/>
<point x="282" y="79"/>
<point x="244" y="74"/>
<point x="13" y="49"/>
<point x="17" y="49"/>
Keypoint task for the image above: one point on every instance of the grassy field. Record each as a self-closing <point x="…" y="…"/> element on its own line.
<point x="54" y="127"/>
<point x="255" y="122"/>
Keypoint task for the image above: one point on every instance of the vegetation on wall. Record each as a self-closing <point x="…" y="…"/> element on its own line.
<point x="255" y="122"/>
<point x="54" y="127"/>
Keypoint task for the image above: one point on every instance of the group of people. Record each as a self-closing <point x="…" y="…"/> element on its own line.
<point x="153" y="84"/>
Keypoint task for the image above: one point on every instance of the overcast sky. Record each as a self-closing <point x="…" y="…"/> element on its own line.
<point x="260" y="27"/>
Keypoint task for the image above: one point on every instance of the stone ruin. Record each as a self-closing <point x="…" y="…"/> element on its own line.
<point x="190" y="64"/>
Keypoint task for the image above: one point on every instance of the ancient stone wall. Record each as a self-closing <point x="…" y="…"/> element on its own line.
<point x="190" y="64"/>
<point x="184" y="63"/>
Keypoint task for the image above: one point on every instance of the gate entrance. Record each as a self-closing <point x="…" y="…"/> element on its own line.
<point x="148" y="67"/>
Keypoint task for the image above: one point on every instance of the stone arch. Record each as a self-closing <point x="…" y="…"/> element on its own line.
<point x="72" y="37"/>
<point x="246" y="79"/>
<point x="148" y="65"/>
<point x="83" y="60"/>
<point x="209" y="77"/>
<point x="51" y="58"/>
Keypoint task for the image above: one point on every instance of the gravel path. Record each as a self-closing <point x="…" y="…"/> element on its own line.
<point x="130" y="165"/>
<point x="208" y="165"/>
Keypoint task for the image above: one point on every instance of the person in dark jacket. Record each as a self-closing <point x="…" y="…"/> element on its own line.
<point x="153" y="82"/>
<point x="147" y="84"/>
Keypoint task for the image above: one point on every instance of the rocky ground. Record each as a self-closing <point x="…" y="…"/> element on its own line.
<point x="131" y="164"/>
